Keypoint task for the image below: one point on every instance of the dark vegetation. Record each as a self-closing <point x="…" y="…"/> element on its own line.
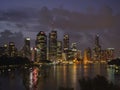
<point x="97" y="83"/>
<point x="115" y="62"/>
<point x="6" y="60"/>
<point x="63" y="88"/>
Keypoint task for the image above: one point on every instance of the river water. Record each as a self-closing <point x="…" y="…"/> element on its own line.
<point x="53" y="77"/>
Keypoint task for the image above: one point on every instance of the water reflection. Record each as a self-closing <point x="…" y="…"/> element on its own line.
<point x="53" y="77"/>
<point x="114" y="75"/>
<point x="32" y="78"/>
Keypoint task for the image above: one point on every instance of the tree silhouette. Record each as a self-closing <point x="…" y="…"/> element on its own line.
<point x="97" y="83"/>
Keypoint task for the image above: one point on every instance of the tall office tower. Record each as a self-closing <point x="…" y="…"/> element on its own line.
<point x="27" y="43"/>
<point x="59" y="50"/>
<point x="79" y="55"/>
<point x="5" y="49"/>
<point x="104" y="55"/>
<point x="85" y="58"/>
<point x="53" y="45"/>
<point x="74" y="50"/>
<point x="12" y="49"/>
<point x="97" y="44"/>
<point x="89" y="53"/>
<point x="33" y="54"/>
<point x="97" y="49"/>
<point x="74" y="47"/>
<point x="66" y="45"/>
<point x="26" y="48"/>
<point x="41" y="46"/>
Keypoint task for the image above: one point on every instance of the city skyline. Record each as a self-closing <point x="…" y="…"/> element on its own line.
<point x="82" y="20"/>
<point x="65" y="41"/>
<point x="50" y="48"/>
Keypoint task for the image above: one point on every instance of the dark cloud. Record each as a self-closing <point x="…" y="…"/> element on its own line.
<point x="83" y="39"/>
<point x="7" y="36"/>
<point x="12" y="15"/>
<point x="64" y="19"/>
<point x="79" y="21"/>
<point x="46" y="16"/>
<point x="111" y="38"/>
<point x="21" y="15"/>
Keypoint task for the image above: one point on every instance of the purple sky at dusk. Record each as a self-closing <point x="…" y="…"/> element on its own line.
<point x="74" y="5"/>
<point x="81" y="19"/>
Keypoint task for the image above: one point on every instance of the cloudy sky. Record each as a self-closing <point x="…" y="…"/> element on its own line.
<point x="81" y="19"/>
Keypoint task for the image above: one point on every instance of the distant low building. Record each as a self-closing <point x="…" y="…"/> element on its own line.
<point x="110" y="53"/>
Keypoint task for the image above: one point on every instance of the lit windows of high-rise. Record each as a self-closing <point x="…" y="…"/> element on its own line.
<point x="33" y="54"/>
<point x="74" y="47"/>
<point x="66" y="45"/>
<point x="12" y="49"/>
<point x="26" y="48"/>
<point x="41" y="46"/>
<point x="66" y="42"/>
<point x="5" y="50"/>
<point x="53" y="45"/>
<point x="97" y="49"/>
<point x="59" y="49"/>
<point x="88" y="53"/>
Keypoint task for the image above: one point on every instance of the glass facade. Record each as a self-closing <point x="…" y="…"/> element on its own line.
<point x="53" y="45"/>
<point x="41" y="46"/>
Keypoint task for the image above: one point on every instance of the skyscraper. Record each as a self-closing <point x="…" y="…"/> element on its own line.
<point x="74" y="47"/>
<point x="97" y="49"/>
<point x="4" y="50"/>
<point x="27" y="43"/>
<point x="66" y="45"/>
<point x="88" y="53"/>
<point x="26" y="47"/>
<point x="12" y="49"/>
<point x="59" y="50"/>
<point x="53" y="45"/>
<point x="41" y="46"/>
<point x="33" y="54"/>
<point x="85" y="58"/>
<point x="97" y="44"/>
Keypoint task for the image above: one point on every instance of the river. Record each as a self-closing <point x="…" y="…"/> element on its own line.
<point x="53" y="77"/>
